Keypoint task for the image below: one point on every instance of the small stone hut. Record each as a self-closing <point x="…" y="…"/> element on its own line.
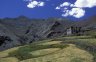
<point x="74" y="31"/>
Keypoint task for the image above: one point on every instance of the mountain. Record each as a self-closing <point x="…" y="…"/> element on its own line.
<point x="89" y="22"/>
<point x="22" y="30"/>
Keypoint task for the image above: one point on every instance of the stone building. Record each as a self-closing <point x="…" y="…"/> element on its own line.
<point x="74" y="31"/>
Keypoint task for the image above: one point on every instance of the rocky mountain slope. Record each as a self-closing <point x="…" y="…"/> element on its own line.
<point x="21" y="30"/>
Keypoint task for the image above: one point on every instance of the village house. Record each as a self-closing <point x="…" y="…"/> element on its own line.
<point x="74" y="31"/>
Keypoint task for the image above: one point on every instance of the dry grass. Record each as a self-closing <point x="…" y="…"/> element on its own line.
<point x="50" y="43"/>
<point x="43" y="52"/>
<point x="6" y="52"/>
<point x="68" y="54"/>
<point x="78" y="37"/>
<point x="9" y="59"/>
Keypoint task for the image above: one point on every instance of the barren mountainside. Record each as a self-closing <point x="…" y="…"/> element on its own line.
<point x="22" y="30"/>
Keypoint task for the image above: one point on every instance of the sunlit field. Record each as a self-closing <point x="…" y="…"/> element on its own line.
<point x="65" y="49"/>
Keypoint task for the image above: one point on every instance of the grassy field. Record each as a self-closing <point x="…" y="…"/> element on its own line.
<point x="65" y="49"/>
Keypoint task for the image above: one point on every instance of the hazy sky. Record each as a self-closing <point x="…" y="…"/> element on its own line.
<point x="74" y="9"/>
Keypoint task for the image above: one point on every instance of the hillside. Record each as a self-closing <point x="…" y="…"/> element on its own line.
<point x="26" y="30"/>
<point x="89" y="22"/>
<point x="22" y="30"/>
<point x="63" y="49"/>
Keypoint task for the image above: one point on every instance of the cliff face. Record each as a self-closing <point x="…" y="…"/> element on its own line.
<point x="21" y="30"/>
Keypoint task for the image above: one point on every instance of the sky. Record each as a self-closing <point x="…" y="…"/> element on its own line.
<point x="72" y="9"/>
